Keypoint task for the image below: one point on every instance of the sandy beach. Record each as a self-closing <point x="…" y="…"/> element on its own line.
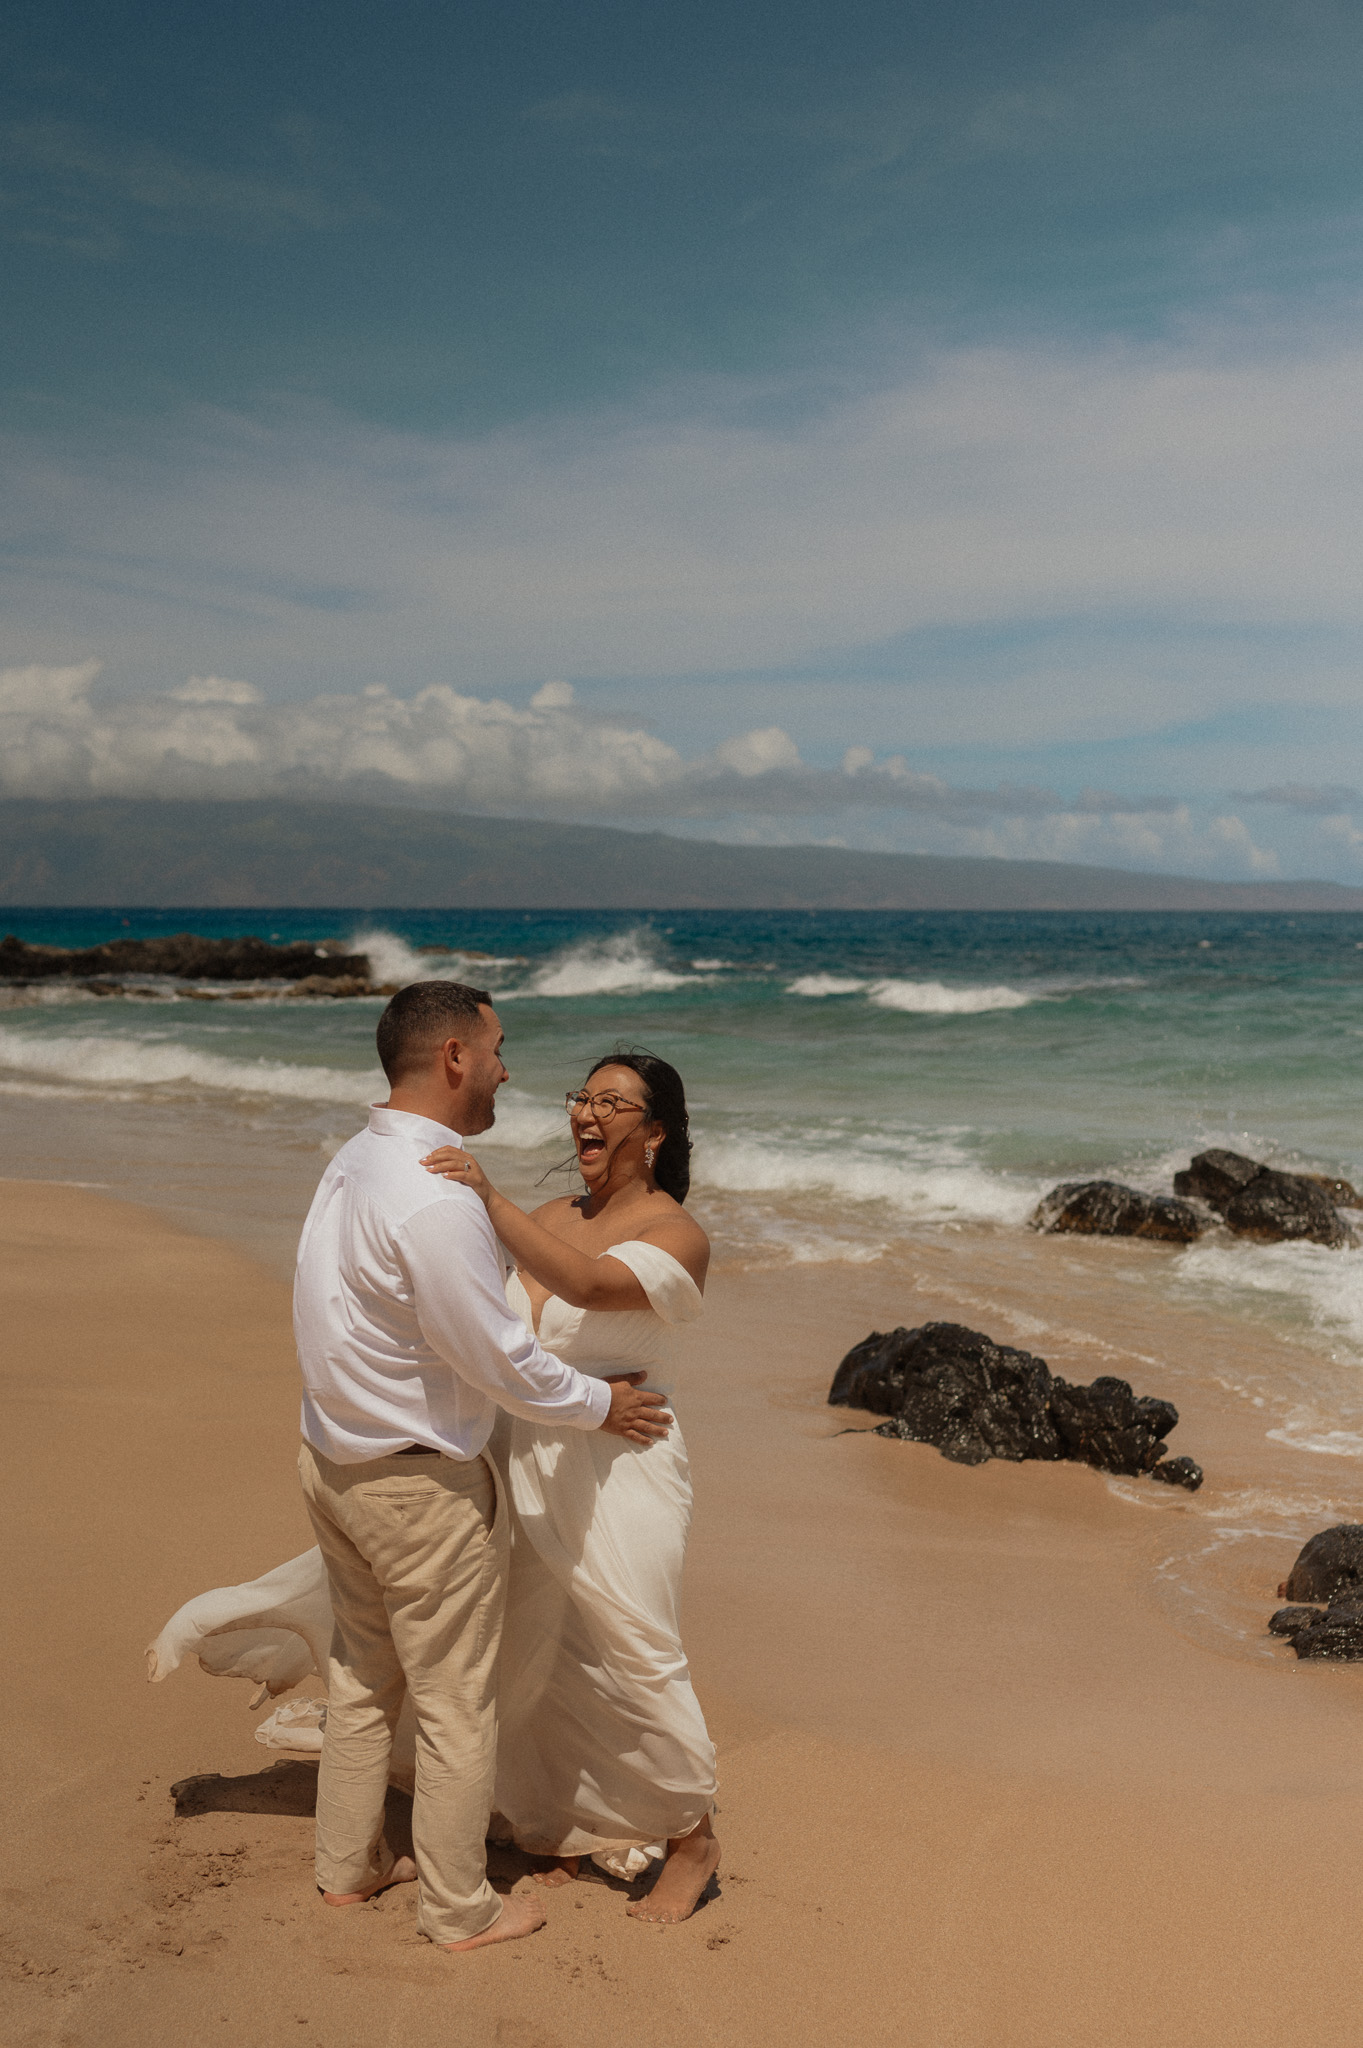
<point x="982" y="1783"/>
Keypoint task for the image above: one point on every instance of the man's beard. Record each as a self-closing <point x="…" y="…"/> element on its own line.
<point x="482" y="1111"/>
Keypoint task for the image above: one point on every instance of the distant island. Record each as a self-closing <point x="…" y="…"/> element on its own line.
<point x="370" y="857"/>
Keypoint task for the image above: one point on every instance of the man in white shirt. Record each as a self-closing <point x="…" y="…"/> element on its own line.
<point x="407" y="1347"/>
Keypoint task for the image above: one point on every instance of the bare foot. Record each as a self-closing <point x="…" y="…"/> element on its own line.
<point x="562" y="1870"/>
<point x="402" y="1872"/>
<point x="518" y="1916"/>
<point x="692" y="1861"/>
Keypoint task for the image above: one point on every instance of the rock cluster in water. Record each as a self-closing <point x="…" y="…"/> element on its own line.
<point x="1104" y="1208"/>
<point x="327" y="969"/>
<point x="1259" y="1201"/>
<point x="975" y="1399"/>
<point x="1251" y="1199"/>
<point x="1325" y="1587"/>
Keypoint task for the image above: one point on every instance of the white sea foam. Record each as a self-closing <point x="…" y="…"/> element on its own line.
<point x="920" y="998"/>
<point x="926" y="1190"/>
<point x="825" y="985"/>
<point x="117" y="1061"/>
<point x="618" y="966"/>
<point x="1314" y="1284"/>
<point x="1326" y="1443"/>
<point x="117" y="1068"/>
<point x="523" y="1124"/>
<point x="391" y="959"/>
<point x="935" y="999"/>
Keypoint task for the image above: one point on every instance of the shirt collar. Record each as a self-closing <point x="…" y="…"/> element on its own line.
<point x="402" y="1123"/>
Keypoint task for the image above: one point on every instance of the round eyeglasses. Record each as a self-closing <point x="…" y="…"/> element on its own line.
<point x="603" y="1107"/>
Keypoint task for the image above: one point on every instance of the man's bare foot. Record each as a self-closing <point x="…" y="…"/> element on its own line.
<point x="402" y="1872"/>
<point x="518" y="1916"/>
<point x="692" y="1861"/>
<point x="562" y="1870"/>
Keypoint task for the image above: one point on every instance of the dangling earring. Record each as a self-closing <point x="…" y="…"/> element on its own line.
<point x="649" y="1151"/>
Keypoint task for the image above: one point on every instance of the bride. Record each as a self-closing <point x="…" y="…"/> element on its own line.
<point x="602" y="1747"/>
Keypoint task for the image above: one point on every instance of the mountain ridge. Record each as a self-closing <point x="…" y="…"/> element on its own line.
<point x="258" y="853"/>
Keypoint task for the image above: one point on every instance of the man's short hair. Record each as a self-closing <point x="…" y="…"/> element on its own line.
<point x="421" y="1017"/>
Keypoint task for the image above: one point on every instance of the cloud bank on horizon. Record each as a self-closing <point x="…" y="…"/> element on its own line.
<point x="918" y="433"/>
<point x="216" y="738"/>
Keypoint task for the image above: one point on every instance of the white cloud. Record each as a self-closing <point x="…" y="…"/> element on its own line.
<point x="213" y="738"/>
<point x="758" y="753"/>
<point x="727" y="529"/>
<point x="216" y="690"/>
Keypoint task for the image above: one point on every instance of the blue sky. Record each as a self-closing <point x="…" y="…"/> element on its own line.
<point x="926" y="428"/>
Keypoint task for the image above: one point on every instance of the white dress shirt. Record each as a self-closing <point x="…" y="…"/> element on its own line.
<point x="400" y="1312"/>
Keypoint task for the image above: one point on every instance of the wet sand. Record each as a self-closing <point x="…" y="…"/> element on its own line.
<point x="986" y="1782"/>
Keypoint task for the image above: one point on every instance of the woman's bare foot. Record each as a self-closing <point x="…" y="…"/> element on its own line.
<point x="692" y="1861"/>
<point x="562" y="1870"/>
<point x="402" y="1872"/>
<point x="518" y="1916"/>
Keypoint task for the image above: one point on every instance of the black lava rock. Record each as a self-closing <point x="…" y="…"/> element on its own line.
<point x="1337" y="1633"/>
<point x="1289" y="1621"/>
<point x="955" y="1388"/>
<point x="1104" y="1208"/>
<point x="1178" y="1472"/>
<point x="183" y="957"/>
<point x="1107" y="1425"/>
<point x="1214" y="1177"/>
<point x="1259" y="1201"/>
<point x="1331" y="1563"/>
<point x="1342" y="1193"/>
<point x="1281" y="1206"/>
<point x="974" y="1399"/>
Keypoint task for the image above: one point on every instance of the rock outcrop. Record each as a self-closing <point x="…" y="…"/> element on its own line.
<point x="974" y="1399"/>
<point x="1332" y="1562"/>
<point x="1104" y="1208"/>
<point x="1334" y="1631"/>
<point x="1215" y="1178"/>
<point x="183" y="957"/>
<point x="1325" y="1586"/>
<point x="1261" y="1202"/>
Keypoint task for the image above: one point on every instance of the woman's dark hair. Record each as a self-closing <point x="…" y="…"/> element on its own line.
<point x="666" y="1106"/>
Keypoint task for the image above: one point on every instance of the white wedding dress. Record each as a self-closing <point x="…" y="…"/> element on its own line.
<point x="602" y="1747"/>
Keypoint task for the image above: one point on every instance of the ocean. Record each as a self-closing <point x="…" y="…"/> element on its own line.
<point x="867" y="1090"/>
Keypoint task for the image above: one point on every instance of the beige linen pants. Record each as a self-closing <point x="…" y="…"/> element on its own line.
<point x="416" y="1553"/>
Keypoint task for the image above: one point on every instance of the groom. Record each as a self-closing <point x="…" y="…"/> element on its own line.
<point x="407" y="1347"/>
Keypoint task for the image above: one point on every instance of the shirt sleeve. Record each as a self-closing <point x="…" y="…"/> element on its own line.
<point x="458" y="1291"/>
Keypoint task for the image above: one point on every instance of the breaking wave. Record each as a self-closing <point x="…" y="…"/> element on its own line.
<point x="131" y="1062"/>
<point x="940" y="1190"/>
<point x="392" y="960"/>
<point x="617" y="966"/>
<point x="1308" y="1282"/>
<point x="118" y="1069"/>
<point x="920" y="998"/>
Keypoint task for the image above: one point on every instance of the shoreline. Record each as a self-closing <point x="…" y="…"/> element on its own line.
<point x="980" y="1788"/>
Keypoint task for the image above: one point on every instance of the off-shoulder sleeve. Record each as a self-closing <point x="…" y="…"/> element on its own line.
<point x="672" y="1293"/>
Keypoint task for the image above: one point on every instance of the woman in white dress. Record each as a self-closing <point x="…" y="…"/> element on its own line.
<point x="602" y="1747"/>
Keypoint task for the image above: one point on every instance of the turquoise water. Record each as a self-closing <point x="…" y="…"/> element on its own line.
<point x="854" y="1076"/>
